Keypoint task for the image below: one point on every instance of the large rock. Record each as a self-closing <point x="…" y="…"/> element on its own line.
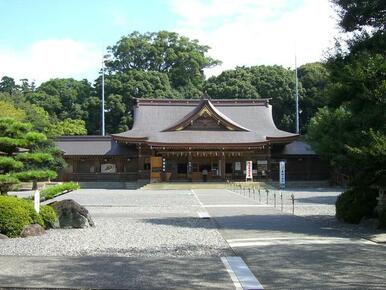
<point x="71" y="214"/>
<point x="3" y="237"/>
<point x="32" y="230"/>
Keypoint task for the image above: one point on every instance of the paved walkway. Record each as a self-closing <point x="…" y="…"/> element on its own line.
<point x="292" y="252"/>
<point x="163" y="245"/>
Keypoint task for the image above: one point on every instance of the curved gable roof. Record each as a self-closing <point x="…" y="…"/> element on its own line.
<point x="206" y="106"/>
<point x="154" y="121"/>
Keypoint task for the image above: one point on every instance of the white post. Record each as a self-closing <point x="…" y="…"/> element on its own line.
<point x="297" y="96"/>
<point x="37" y="201"/>
<point x="103" y="97"/>
<point x="282" y="174"/>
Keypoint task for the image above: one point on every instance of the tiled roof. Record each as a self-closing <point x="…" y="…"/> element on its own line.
<point x="153" y="117"/>
<point x="91" y="145"/>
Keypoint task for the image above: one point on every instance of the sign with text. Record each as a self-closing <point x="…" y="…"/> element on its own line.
<point x="108" y="168"/>
<point x="248" y="170"/>
<point x="282" y="174"/>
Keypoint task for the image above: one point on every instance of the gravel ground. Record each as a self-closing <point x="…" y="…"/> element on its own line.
<point x="129" y="223"/>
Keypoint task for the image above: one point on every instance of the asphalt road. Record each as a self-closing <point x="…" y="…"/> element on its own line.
<point x="293" y="252"/>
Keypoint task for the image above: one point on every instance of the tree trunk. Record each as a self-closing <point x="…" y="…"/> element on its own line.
<point x="34" y="185"/>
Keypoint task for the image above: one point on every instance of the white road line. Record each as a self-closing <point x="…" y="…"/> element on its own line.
<point x="236" y="205"/>
<point x="245" y="278"/>
<point x="203" y="215"/>
<point x="231" y="273"/>
<point x="195" y="195"/>
<point x="272" y="242"/>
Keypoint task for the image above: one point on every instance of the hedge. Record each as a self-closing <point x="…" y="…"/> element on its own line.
<point x="356" y="203"/>
<point x="51" y="192"/>
<point x="49" y="216"/>
<point x="16" y="213"/>
<point x="7" y="183"/>
<point x="38" y="175"/>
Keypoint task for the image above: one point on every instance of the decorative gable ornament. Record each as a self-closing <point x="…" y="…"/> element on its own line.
<point x="206" y="117"/>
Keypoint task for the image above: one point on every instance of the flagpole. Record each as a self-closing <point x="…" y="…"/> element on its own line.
<point x="103" y="96"/>
<point x="297" y="96"/>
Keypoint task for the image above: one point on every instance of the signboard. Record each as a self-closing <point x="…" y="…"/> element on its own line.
<point x="108" y="168"/>
<point x="248" y="170"/>
<point x="282" y="174"/>
<point x="237" y="166"/>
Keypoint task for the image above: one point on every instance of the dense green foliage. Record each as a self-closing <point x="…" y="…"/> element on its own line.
<point x="7" y="183"/>
<point x="278" y="84"/>
<point x="52" y="191"/>
<point x="48" y="215"/>
<point x="181" y="59"/>
<point x="16" y="213"/>
<point x="351" y="130"/>
<point x="354" y="204"/>
<point x="36" y="164"/>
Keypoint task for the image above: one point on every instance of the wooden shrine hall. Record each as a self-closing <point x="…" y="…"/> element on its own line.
<point x="192" y="140"/>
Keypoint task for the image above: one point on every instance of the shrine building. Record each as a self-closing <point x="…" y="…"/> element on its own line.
<point x="192" y="140"/>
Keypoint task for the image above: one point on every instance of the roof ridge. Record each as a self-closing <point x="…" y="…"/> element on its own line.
<point x="206" y="104"/>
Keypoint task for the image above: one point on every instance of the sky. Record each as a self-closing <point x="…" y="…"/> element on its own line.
<point x="43" y="39"/>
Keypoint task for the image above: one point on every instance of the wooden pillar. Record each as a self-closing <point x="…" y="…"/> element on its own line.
<point x="141" y="162"/>
<point x="222" y="169"/>
<point x="269" y="171"/>
<point x="189" y="172"/>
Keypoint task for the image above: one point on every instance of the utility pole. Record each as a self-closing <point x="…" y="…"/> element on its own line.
<point x="297" y="96"/>
<point x="103" y="96"/>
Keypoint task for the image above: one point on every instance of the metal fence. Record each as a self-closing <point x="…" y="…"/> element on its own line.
<point x="282" y="200"/>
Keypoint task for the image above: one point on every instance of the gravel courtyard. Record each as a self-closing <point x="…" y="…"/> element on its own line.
<point x="127" y="224"/>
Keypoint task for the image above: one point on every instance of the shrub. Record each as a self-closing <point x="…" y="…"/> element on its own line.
<point x="48" y="215"/>
<point x="356" y="203"/>
<point x="38" y="175"/>
<point x="7" y="183"/>
<point x="15" y="214"/>
<point x="55" y="190"/>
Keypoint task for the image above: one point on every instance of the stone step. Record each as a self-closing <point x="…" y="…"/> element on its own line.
<point x="109" y="185"/>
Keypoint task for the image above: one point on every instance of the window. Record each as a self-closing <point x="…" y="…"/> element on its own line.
<point x="182" y="168"/>
<point x="228" y="168"/>
<point x="146" y="166"/>
<point x="195" y="167"/>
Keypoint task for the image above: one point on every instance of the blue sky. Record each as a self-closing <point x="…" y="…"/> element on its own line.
<point x="42" y="39"/>
<point x="82" y="20"/>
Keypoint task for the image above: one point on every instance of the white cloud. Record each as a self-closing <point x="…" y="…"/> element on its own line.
<point x="53" y="58"/>
<point x="255" y="32"/>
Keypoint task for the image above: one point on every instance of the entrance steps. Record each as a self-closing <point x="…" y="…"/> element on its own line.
<point x="132" y="185"/>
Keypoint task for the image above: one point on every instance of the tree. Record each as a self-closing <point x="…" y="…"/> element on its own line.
<point x="355" y="143"/>
<point x="121" y="90"/>
<point x="355" y="15"/>
<point x="8" y="85"/>
<point x="314" y="79"/>
<point x="16" y="165"/>
<point x="232" y="84"/>
<point x="68" y="127"/>
<point x="62" y="98"/>
<point x="8" y="110"/>
<point x="272" y="82"/>
<point x="182" y="59"/>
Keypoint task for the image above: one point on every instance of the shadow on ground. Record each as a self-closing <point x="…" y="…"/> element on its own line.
<point x="115" y="273"/>
<point x="286" y="224"/>
<point x="355" y="266"/>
